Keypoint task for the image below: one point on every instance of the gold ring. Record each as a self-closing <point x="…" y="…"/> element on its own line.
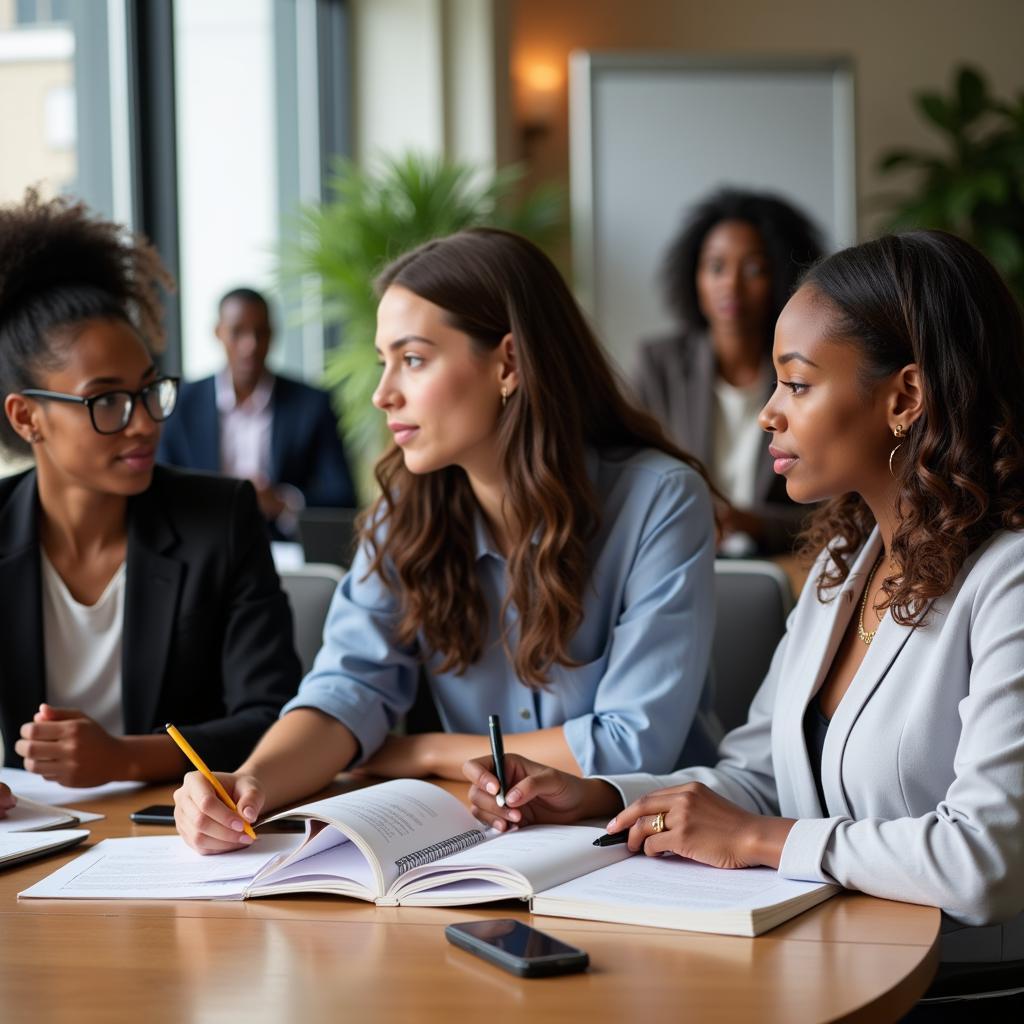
<point x="658" y="824"/>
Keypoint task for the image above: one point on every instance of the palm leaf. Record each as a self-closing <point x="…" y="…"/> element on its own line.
<point x="370" y="217"/>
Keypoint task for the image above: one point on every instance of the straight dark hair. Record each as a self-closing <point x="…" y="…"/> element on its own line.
<point x="491" y="283"/>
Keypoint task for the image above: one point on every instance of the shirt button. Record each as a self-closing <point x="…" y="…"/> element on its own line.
<point x="524" y="712"/>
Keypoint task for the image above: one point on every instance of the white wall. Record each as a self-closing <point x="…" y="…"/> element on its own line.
<point x="226" y="162"/>
<point x="431" y="76"/>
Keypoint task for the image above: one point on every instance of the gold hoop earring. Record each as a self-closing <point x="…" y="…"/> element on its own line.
<point x="898" y="433"/>
<point x="504" y="396"/>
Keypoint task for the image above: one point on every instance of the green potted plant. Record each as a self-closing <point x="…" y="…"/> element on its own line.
<point x="973" y="186"/>
<point x="375" y="214"/>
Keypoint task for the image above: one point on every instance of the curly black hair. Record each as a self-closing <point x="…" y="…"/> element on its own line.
<point x="792" y="243"/>
<point x="59" y="266"/>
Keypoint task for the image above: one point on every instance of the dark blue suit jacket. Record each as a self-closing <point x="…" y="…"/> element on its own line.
<point x="305" y="450"/>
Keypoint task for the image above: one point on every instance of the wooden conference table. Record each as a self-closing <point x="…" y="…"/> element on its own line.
<point x="327" y="959"/>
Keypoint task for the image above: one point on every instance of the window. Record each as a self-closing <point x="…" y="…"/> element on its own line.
<point x="249" y="126"/>
<point x="200" y="124"/>
<point x="55" y="103"/>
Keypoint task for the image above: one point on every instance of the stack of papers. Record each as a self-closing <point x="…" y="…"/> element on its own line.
<point x="35" y="826"/>
<point x="18" y="846"/>
<point x="28" y="816"/>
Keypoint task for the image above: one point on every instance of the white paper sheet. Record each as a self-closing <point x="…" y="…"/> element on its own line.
<point x="35" y="787"/>
<point x="673" y="884"/>
<point x="159" y="867"/>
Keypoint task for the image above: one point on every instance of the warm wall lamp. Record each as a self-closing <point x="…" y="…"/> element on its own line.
<point x="540" y="89"/>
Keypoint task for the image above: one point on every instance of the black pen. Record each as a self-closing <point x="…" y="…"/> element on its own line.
<point x="498" y="754"/>
<point x="614" y="839"/>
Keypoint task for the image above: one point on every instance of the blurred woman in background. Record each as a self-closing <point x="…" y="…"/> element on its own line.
<point x="727" y="276"/>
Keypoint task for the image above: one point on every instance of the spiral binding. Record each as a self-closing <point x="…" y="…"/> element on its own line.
<point x="429" y="854"/>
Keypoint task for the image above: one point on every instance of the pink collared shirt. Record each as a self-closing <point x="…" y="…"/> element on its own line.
<point x="245" y="428"/>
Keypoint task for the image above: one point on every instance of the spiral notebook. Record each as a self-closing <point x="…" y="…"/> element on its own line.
<point x="404" y="842"/>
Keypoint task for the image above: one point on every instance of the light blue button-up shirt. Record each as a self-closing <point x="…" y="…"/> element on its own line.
<point x="644" y="643"/>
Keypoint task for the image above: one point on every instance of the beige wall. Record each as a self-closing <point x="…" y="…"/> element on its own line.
<point x="28" y="158"/>
<point x="897" y="46"/>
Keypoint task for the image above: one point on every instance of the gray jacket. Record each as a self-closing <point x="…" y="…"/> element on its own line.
<point x="674" y="381"/>
<point x="923" y="766"/>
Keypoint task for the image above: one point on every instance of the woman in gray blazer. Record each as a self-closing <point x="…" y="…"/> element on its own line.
<point x="885" y="749"/>
<point x="726" y="278"/>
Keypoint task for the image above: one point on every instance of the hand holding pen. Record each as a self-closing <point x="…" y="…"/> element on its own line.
<point x="497" y="757"/>
<point x="535" y="794"/>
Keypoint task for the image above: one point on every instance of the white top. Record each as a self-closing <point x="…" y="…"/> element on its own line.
<point x="83" y="648"/>
<point x="245" y="428"/>
<point x="738" y="440"/>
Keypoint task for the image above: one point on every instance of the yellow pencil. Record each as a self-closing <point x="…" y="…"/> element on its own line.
<point x="186" y="749"/>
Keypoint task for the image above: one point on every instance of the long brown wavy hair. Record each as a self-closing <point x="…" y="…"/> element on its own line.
<point x="420" y="531"/>
<point x="930" y="298"/>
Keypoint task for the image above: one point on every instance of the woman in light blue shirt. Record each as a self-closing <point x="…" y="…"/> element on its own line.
<point x="539" y="551"/>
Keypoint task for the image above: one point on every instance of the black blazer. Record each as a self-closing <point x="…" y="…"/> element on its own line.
<point x="207" y="629"/>
<point x="305" y="450"/>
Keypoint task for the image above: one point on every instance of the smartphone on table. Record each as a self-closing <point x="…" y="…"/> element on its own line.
<point x="517" y="948"/>
<point x="154" y="814"/>
<point x="163" y="814"/>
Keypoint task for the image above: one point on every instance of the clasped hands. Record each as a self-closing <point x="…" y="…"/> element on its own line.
<point x="67" y="746"/>
<point x="698" y="823"/>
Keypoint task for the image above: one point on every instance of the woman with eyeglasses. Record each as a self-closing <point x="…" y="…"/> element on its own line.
<point x="134" y="594"/>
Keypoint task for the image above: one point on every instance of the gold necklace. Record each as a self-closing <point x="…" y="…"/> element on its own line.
<point x="861" y="631"/>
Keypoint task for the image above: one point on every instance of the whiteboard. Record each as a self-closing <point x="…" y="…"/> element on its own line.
<point x="650" y="135"/>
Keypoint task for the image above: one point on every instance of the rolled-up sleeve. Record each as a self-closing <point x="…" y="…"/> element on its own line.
<point x="361" y="676"/>
<point x="745" y="772"/>
<point x="648" y="696"/>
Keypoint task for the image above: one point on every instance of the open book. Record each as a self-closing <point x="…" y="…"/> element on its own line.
<point x="670" y="892"/>
<point x="401" y="842"/>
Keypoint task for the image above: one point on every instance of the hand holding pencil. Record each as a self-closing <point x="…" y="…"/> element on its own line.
<point x="214" y="811"/>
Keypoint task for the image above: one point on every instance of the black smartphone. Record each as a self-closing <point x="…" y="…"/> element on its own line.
<point x="517" y="948"/>
<point x="155" y="814"/>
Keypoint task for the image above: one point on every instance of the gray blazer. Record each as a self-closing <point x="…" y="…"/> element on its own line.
<point x="674" y="381"/>
<point x="923" y="766"/>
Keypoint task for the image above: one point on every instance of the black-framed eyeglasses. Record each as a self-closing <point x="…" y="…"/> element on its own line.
<point x="112" y="411"/>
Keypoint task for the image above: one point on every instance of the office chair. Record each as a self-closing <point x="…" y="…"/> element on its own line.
<point x="328" y="535"/>
<point x="310" y="591"/>
<point x="752" y="600"/>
